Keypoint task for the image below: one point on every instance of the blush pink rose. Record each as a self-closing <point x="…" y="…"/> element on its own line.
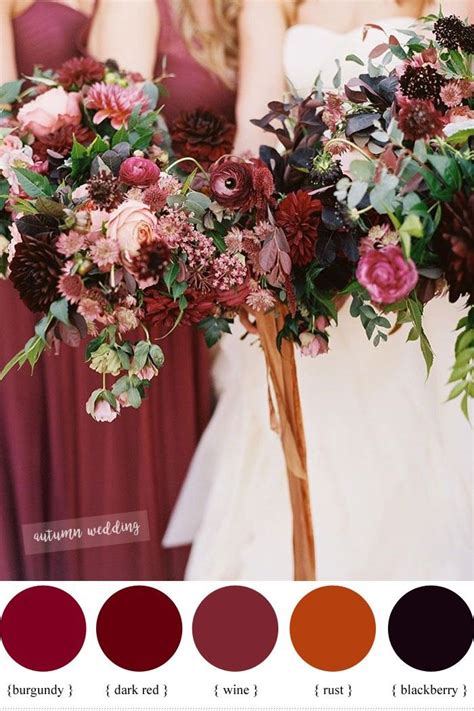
<point x="140" y="172"/>
<point x="132" y="224"/>
<point x="51" y="111"/>
<point x="386" y="274"/>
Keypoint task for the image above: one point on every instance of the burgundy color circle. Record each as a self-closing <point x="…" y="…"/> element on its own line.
<point x="235" y="628"/>
<point x="139" y="628"/>
<point x="43" y="628"/>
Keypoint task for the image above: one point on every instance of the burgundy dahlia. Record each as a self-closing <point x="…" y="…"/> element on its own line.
<point x="299" y="215"/>
<point x="35" y="271"/>
<point x="78" y="71"/>
<point x="419" y="118"/>
<point x="202" y="135"/>
<point x="61" y="141"/>
<point x="455" y="245"/>
<point x="162" y="312"/>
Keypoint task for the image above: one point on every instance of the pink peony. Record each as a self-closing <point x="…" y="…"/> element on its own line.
<point x="386" y="274"/>
<point x="139" y="171"/>
<point x="51" y="111"/>
<point x="131" y="225"/>
<point x="115" y="103"/>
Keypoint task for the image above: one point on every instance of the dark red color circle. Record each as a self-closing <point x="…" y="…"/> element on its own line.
<point x="139" y="628"/>
<point x="235" y="628"/>
<point x="43" y="628"/>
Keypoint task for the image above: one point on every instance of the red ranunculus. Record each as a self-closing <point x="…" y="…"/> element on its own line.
<point x="239" y="184"/>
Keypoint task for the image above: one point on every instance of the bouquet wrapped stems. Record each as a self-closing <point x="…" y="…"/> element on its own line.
<point x="281" y="366"/>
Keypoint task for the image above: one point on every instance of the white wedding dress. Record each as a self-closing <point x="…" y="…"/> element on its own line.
<point x="390" y="463"/>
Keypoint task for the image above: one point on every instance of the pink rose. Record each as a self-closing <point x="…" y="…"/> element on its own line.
<point x="132" y="224"/>
<point x="386" y="274"/>
<point x="52" y="110"/>
<point x="139" y="171"/>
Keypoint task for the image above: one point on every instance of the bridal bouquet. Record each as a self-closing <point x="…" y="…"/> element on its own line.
<point x="101" y="235"/>
<point x="376" y="197"/>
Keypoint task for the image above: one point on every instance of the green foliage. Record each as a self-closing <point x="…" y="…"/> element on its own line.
<point x="415" y="310"/>
<point x="375" y="324"/>
<point x="10" y="91"/>
<point x="213" y="329"/>
<point x="462" y="374"/>
<point x="34" y="184"/>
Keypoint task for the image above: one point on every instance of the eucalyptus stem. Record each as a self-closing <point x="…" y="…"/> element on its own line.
<point x="174" y="327"/>
<point x="186" y="160"/>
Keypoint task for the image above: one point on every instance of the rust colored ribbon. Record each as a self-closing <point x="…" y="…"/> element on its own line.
<point x="281" y="367"/>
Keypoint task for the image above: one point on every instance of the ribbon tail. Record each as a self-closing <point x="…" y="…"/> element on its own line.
<point x="281" y="367"/>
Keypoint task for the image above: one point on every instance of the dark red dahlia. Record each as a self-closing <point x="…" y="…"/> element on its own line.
<point x="299" y="215"/>
<point x="454" y="244"/>
<point x="418" y="118"/>
<point x="35" y="271"/>
<point x="78" y="71"/>
<point x="202" y="135"/>
<point x="61" y="141"/>
<point x="421" y="82"/>
<point x="162" y="312"/>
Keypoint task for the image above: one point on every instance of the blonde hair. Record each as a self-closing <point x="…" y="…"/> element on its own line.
<point x="218" y="49"/>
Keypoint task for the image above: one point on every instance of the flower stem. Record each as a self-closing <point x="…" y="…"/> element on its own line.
<point x="351" y="145"/>
<point x="183" y="160"/>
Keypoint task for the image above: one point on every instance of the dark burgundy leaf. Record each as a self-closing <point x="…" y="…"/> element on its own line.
<point x="360" y="122"/>
<point x="326" y="247"/>
<point x="38" y="225"/>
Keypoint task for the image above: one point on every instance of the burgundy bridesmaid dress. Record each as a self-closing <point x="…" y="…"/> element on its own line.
<point x="55" y="462"/>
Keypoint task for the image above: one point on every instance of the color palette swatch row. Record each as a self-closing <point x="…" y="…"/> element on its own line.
<point x="235" y="628"/>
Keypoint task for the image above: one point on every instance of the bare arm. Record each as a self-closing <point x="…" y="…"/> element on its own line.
<point x="8" y="70"/>
<point x="462" y="8"/>
<point x="261" y="76"/>
<point x="127" y="32"/>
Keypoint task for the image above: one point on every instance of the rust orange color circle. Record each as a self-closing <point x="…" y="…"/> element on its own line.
<point x="332" y="628"/>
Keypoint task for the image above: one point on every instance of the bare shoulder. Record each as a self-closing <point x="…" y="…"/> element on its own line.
<point x="462" y="8"/>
